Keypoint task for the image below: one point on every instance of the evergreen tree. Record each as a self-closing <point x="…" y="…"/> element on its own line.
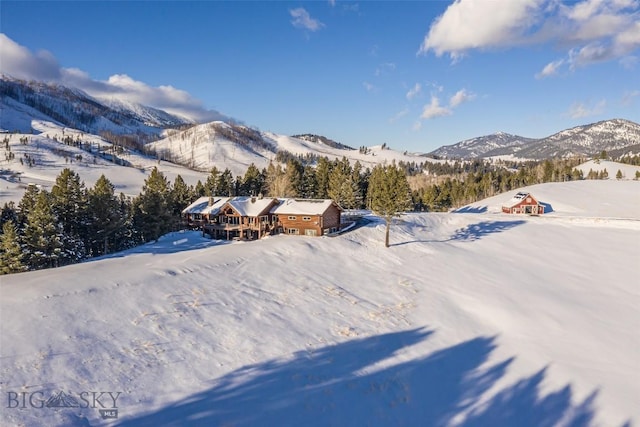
<point x="619" y="174"/>
<point x="211" y="184"/>
<point x="181" y="197"/>
<point x="226" y="184"/>
<point x="26" y="204"/>
<point x="126" y="236"/>
<point x="309" y="184"/>
<point x="152" y="217"/>
<point x="323" y="171"/>
<point x="342" y="189"/>
<point x="200" y="190"/>
<point x="389" y="194"/>
<point x="69" y="204"/>
<point x="294" y="173"/>
<point x="42" y="235"/>
<point x="10" y="250"/>
<point x="252" y="182"/>
<point x="9" y="213"/>
<point x="357" y="185"/>
<point x="105" y="217"/>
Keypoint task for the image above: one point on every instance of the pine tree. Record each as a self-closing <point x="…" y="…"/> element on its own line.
<point x="309" y="184"/>
<point x="619" y="174"/>
<point x="200" y="190"/>
<point x="26" y="204"/>
<point x="181" y="197"/>
<point x="294" y="173"/>
<point x="211" y="184"/>
<point x="342" y="189"/>
<point x="9" y="213"/>
<point x="105" y="217"/>
<point x="42" y="235"/>
<point x="10" y="251"/>
<point x="323" y="171"/>
<point x="152" y="215"/>
<point x="389" y="194"/>
<point x="252" y="182"/>
<point x="69" y="204"/>
<point x="225" y="185"/>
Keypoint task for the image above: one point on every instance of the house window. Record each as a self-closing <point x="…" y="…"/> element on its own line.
<point x="306" y="218"/>
<point x="310" y="232"/>
<point x="528" y="199"/>
<point x="293" y="231"/>
<point x="292" y="218"/>
<point x="197" y="216"/>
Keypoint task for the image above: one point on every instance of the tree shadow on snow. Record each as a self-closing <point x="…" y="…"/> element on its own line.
<point x="478" y="231"/>
<point x="339" y="385"/>
<point x="170" y="243"/>
<point x="472" y="232"/>
<point x="471" y="209"/>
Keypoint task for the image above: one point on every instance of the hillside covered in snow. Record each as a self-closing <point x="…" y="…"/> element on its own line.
<point x="470" y="318"/>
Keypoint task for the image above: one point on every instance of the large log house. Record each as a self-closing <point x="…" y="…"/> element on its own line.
<point x="250" y="218"/>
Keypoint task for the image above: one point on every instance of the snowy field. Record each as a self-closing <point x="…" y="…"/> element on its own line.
<point x="468" y="319"/>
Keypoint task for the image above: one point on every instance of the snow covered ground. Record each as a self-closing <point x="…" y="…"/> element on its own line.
<point x="472" y="319"/>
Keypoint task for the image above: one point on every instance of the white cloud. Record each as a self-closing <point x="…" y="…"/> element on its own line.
<point x="629" y="62"/>
<point x="476" y="24"/>
<point x="434" y="109"/>
<point x="580" y="110"/>
<point x="399" y="115"/>
<point x="629" y="97"/>
<point x="384" y="68"/>
<point x="590" y="30"/>
<point x="460" y="97"/>
<point x="414" y="91"/>
<point x="302" y="19"/>
<point x="551" y="69"/>
<point x="369" y="87"/>
<point x="19" y="62"/>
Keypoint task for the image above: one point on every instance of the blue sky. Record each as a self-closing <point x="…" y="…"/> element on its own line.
<point x="413" y="74"/>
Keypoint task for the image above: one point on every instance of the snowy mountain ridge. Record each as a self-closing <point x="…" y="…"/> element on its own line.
<point x="71" y="107"/>
<point x="587" y="140"/>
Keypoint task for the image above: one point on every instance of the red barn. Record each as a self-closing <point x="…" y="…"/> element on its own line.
<point x="523" y="203"/>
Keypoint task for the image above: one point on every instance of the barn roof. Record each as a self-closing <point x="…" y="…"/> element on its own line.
<point x="518" y="198"/>
<point x="303" y="206"/>
<point x="203" y="206"/>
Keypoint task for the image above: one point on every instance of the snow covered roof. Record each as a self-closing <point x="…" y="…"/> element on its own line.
<point x="518" y="198"/>
<point x="303" y="206"/>
<point x="204" y="206"/>
<point x="250" y="206"/>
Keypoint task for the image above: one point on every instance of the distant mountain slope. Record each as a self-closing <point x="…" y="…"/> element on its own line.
<point x="233" y="146"/>
<point x="480" y="146"/>
<point x="21" y="100"/>
<point x="587" y="140"/>
<point x="318" y="139"/>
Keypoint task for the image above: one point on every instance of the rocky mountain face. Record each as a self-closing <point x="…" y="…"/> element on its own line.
<point x="587" y="140"/>
<point x="75" y="109"/>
